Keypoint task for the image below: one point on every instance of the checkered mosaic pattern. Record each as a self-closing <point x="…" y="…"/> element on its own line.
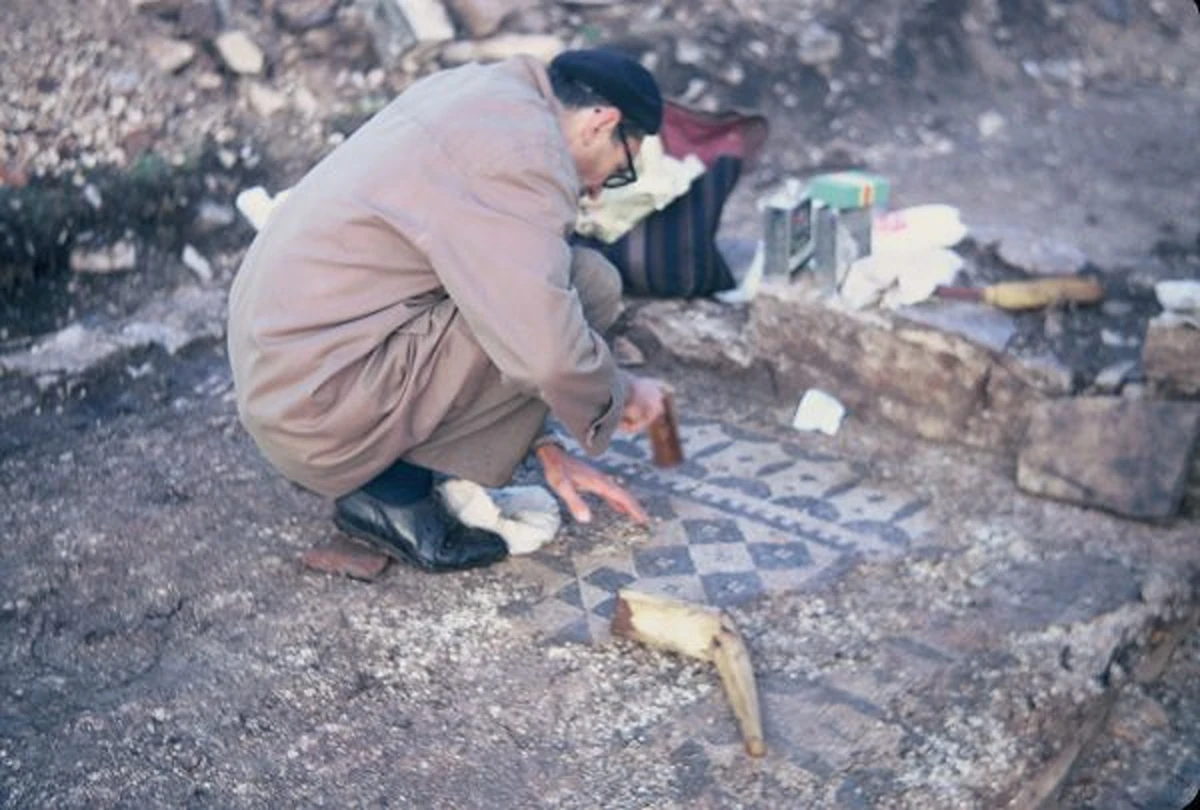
<point x="747" y="514"/>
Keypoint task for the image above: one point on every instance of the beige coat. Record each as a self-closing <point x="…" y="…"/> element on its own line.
<point x="438" y="229"/>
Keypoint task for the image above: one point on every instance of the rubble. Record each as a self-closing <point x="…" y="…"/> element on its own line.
<point x="240" y="53"/>
<point x="991" y="123"/>
<point x="406" y="27"/>
<point x="265" y="100"/>
<point x="1171" y="358"/>
<point x="1112" y="378"/>
<point x="170" y="55"/>
<point x="1178" y="296"/>
<point x="482" y="18"/>
<point x="299" y="16"/>
<point x="115" y="258"/>
<point x="544" y="47"/>
<point x="818" y="45"/>
<point x="197" y="263"/>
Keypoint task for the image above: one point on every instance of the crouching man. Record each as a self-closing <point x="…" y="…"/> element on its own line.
<point x="414" y="307"/>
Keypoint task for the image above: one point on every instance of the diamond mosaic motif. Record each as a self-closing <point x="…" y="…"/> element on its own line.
<point x="748" y="514"/>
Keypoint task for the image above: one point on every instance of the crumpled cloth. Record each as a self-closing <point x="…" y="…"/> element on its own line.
<point x="526" y="517"/>
<point x="662" y="179"/>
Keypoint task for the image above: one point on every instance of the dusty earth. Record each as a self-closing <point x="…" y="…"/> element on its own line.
<point x="161" y="645"/>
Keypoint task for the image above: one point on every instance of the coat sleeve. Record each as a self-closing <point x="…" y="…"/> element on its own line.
<point x="495" y="235"/>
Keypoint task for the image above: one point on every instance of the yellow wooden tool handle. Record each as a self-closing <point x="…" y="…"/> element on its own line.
<point x="1043" y="292"/>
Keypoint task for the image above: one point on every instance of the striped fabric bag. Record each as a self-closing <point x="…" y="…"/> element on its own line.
<point x="673" y="252"/>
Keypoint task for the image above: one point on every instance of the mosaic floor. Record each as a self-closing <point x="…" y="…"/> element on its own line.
<point x="745" y="515"/>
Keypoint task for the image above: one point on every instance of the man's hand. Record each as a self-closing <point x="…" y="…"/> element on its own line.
<point x="571" y="478"/>
<point x="643" y="404"/>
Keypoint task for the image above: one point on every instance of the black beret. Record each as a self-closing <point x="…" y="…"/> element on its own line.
<point x="619" y="79"/>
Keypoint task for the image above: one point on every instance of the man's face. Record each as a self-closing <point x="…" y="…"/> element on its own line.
<point x="604" y="154"/>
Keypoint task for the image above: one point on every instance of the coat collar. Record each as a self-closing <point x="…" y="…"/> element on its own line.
<point x="541" y="79"/>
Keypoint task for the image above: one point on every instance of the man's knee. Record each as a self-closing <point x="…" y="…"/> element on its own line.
<point x="598" y="285"/>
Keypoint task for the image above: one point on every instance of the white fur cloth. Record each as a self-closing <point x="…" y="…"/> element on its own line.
<point x="526" y="517"/>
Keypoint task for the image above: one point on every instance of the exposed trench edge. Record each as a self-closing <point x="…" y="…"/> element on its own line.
<point x="1042" y="791"/>
<point x="20" y="393"/>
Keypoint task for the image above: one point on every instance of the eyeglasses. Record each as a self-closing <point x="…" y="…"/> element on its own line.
<point x="626" y="176"/>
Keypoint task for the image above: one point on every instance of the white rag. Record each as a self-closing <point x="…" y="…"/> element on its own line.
<point x="662" y="179"/>
<point x="527" y="517"/>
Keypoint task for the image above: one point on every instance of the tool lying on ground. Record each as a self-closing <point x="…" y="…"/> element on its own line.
<point x="697" y="632"/>
<point x="1035" y="294"/>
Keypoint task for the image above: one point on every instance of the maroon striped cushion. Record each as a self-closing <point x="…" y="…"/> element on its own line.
<point x="673" y="252"/>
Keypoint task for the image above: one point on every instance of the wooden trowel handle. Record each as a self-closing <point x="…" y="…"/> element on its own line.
<point x="1035" y="294"/>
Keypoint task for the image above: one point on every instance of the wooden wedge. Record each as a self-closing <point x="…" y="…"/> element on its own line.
<point x="699" y="632"/>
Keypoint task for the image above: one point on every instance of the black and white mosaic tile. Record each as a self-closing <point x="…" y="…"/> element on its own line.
<point x="747" y="514"/>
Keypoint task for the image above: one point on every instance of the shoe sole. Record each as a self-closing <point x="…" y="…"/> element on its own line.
<point x="376" y="544"/>
<point x="400" y="555"/>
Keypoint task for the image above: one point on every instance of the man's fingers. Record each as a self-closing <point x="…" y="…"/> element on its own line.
<point x="576" y="505"/>
<point x="635" y="422"/>
<point x="620" y="499"/>
<point x="629" y="505"/>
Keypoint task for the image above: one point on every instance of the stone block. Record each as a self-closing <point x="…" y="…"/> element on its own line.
<point x="1171" y="358"/>
<point x="1127" y="457"/>
<point x="929" y="377"/>
<point x="933" y="383"/>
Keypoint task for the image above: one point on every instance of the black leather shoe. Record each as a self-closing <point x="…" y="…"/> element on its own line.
<point x="421" y="533"/>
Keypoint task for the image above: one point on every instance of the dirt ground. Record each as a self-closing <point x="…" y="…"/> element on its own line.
<point x="163" y="648"/>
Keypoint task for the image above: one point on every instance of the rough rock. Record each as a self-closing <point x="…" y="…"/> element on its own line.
<point x="1033" y="253"/>
<point x="301" y="15"/>
<point x="818" y="45"/>
<point x="265" y="100"/>
<point x="543" y="46"/>
<point x="1115" y="11"/>
<point x="979" y="323"/>
<point x="161" y="7"/>
<point x="990" y="124"/>
<point x="401" y="27"/>
<point x="689" y="52"/>
<point x="1110" y="380"/>
<point x="699" y="332"/>
<point x="113" y="258"/>
<point x="213" y="216"/>
<point x="428" y="20"/>
<point x="1171" y="358"/>
<point x="240" y="53"/>
<point x="195" y="261"/>
<point x="1127" y="457"/>
<point x="198" y="20"/>
<point x="482" y="18"/>
<point x="1178" y="295"/>
<point x="170" y="55"/>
